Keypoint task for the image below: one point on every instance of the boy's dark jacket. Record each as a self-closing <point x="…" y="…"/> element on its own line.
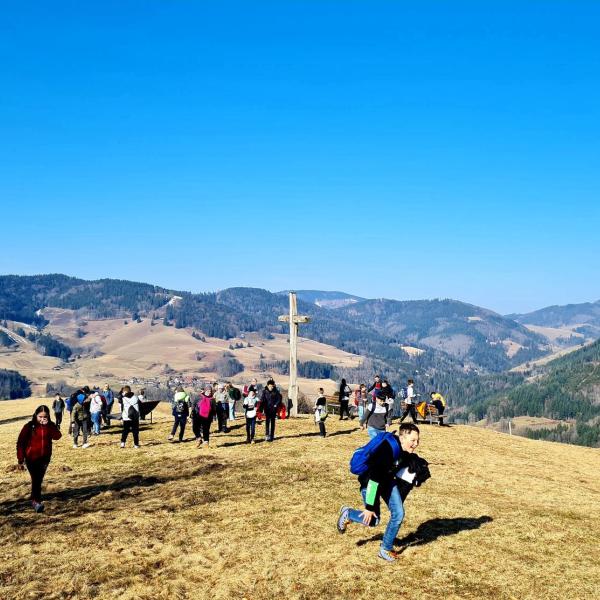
<point x="383" y="470"/>
<point x="270" y="401"/>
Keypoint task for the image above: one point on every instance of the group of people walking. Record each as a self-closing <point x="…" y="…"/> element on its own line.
<point x="259" y="405"/>
<point x="376" y="406"/>
<point x="387" y="467"/>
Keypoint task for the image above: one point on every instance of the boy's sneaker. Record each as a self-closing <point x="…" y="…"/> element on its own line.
<point x="343" y="519"/>
<point x="122" y="444"/>
<point x="75" y="446"/>
<point x="170" y="438"/>
<point x="37" y="506"/>
<point x="388" y="555"/>
<point x="136" y="447"/>
<point x="85" y="446"/>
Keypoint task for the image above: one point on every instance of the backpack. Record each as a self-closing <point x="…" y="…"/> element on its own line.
<point x="359" y="463"/>
<point x="132" y="414"/>
<point x="235" y="393"/>
<point x="204" y="407"/>
<point x="403" y="393"/>
<point x="180" y="407"/>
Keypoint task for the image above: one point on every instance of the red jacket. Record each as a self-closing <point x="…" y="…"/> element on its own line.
<point x="36" y="442"/>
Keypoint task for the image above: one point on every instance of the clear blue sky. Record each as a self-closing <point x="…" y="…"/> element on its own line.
<point x="388" y="149"/>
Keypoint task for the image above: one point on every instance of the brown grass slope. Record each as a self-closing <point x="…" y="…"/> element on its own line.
<point x="501" y="517"/>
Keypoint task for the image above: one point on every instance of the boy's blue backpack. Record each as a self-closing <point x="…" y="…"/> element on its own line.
<point x="403" y="393"/>
<point x="359" y="463"/>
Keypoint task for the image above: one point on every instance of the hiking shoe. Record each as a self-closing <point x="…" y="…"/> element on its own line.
<point x="343" y="519"/>
<point x="85" y="446"/>
<point x="122" y="444"/>
<point x="170" y="438"/>
<point x="136" y="447"/>
<point x="37" y="506"/>
<point x="388" y="555"/>
<point x="75" y="446"/>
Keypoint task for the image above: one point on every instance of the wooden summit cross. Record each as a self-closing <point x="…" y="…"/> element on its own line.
<point x="293" y="319"/>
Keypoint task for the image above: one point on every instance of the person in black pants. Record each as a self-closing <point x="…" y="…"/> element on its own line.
<point x="344" y="398"/>
<point x="58" y="406"/>
<point x="270" y="402"/>
<point x="131" y="417"/>
<point x="34" y="450"/>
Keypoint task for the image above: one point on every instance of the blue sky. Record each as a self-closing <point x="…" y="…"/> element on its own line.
<point x="387" y="149"/>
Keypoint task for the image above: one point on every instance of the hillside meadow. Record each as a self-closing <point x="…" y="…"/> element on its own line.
<point x="502" y="517"/>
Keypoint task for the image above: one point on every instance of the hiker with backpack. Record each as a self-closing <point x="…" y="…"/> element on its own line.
<point x="270" y="401"/>
<point x="109" y="399"/>
<point x="96" y="408"/>
<point x="344" y="398"/>
<point x="79" y="420"/>
<point x="222" y="400"/>
<point x="362" y="401"/>
<point x="34" y="450"/>
<point x="388" y="469"/>
<point x="130" y="415"/>
<point x="234" y="395"/>
<point x="409" y="397"/>
<point x="181" y="412"/>
<point x="250" y="403"/>
<point x="378" y="416"/>
<point x="205" y="409"/>
<point x="321" y="412"/>
<point x="58" y="406"/>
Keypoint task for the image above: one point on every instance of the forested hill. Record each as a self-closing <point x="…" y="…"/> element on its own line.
<point x="453" y="335"/>
<point x="583" y="318"/>
<point x="469" y="333"/>
<point x="567" y="389"/>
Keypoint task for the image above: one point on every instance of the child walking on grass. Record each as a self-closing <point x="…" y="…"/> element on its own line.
<point x="321" y="412"/>
<point x="34" y="450"/>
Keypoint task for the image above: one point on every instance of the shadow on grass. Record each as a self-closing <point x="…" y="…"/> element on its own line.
<point x="72" y="498"/>
<point x="431" y="530"/>
<point x="15" y="419"/>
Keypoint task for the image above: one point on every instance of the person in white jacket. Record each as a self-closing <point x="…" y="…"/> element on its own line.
<point x="96" y="407"/>
<point x="131" y="417"/>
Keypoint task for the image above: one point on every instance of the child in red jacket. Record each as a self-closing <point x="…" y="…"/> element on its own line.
<point x="34" y="449"/>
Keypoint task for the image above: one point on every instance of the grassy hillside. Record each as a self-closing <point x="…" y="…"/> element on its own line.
<point x="502" y="517"/>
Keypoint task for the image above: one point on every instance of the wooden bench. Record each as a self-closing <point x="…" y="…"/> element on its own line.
<point x="431" y="413"/>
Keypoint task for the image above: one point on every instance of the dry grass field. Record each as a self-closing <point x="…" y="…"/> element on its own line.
<point x="502" y="517"/>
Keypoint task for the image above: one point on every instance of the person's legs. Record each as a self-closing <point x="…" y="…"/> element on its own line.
<point x="108" y="411"/>
<point x="58" y="418"/>
<point x="413" y="413"/>
<point x="394" y="503"/>
<point x="37" y="470"/>
<point x="322" y="428"/>
<point x="248" y="425"/>
<point x="75" y="425"/>
<point x="354" y="514"/>
<point x="175" y="425"/>
<point x="96" y="421"/>
<point x="84" y="429"/>
<point x="373" y="432"/>
<point x="125" y="432"/>
<point x="361" y="411"/>
<point x="273" y="420"/>
<point x="135" y="428"/>
<point x="231" y="410"/>
<point x="182" y="424"/>
<point x="205" y="429"/>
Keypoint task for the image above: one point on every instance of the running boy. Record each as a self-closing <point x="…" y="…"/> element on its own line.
<point x="392" y="470"/>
